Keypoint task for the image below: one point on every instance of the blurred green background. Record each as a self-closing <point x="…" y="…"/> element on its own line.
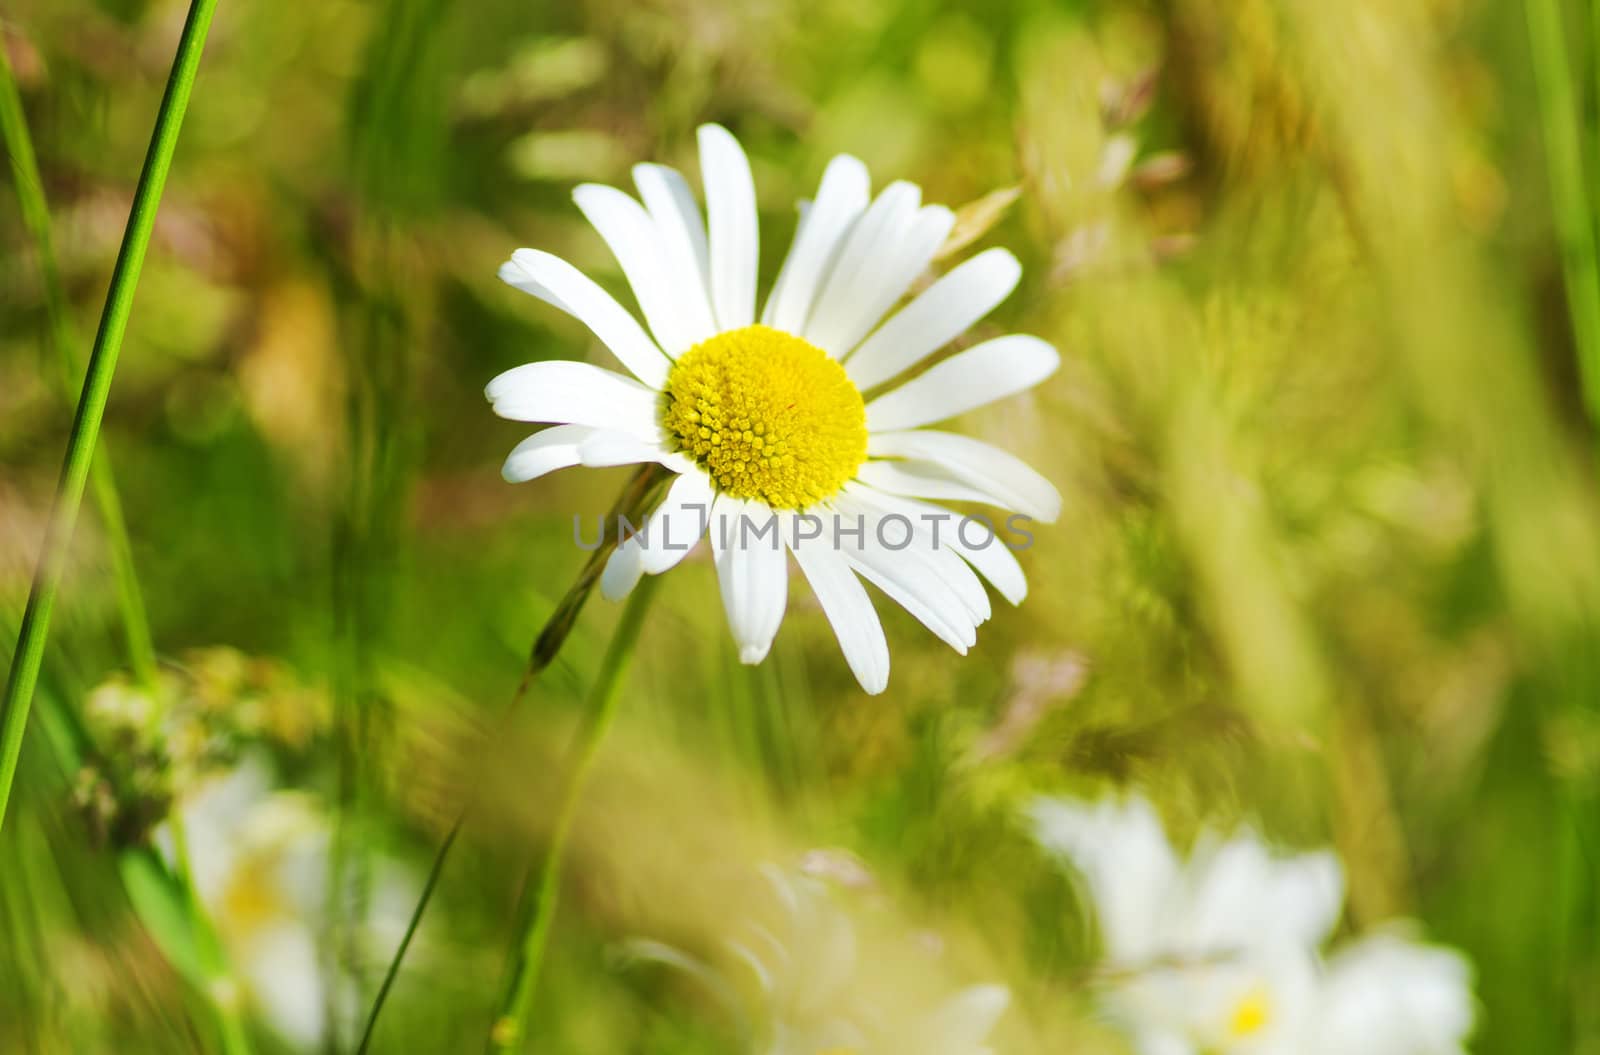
<point x="1330" y="557"/>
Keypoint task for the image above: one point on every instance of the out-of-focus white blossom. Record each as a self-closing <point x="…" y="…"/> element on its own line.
<point x="259" y="861"/>
<point x="806" y="970"/>
<point x="1221" y="951"/>
<point x="808" y="996"/>
<point x="259" y="857"/>
<point x="1385" y="995"/>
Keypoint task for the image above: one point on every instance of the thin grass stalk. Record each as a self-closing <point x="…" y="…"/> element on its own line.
<point x="1573" y="210"/>
<point x="393" y="970"/>
<point x="388" y="109"/>
<point x="600" y="709"/>
<point x="635" y="501"/>
<point x="60" y="345"/>
<point x="24" y="944"/>
<point x="35" y="211"/>
<point x="24" y="674"/>
<point x="1561" y="115"/>
<point x="82" y="467"/>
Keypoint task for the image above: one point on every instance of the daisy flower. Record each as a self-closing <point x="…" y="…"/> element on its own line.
<point x="792" y="430"/>
<point x="1222" y="952"/>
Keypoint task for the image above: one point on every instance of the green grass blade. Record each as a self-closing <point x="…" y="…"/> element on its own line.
<point x="61" y="344"/>
<point x="393" y="970"/>
<point x="96" y="388"/>
<point x="1574" y="216"/>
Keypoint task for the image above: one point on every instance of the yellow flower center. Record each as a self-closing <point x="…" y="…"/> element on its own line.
<point x="768" y="415"/>
<point x="1250" y="1014"/>
<point x="250" y="900"/>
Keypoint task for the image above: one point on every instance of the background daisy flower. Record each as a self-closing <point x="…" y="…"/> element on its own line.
<point x="260" y="860"/>
<point x="1222" y="951"/>
<point x="766" y="421"/>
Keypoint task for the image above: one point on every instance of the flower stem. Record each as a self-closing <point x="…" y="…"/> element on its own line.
<point x="634" y="502"/>
<point x="601" y="707"/>
<point x="92" y="402"/>
<point x="1574" y="216"/>
<point x="61" y="342"/>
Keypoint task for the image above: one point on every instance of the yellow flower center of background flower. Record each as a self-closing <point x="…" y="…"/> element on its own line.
<point x="250" y="900"/>
<point x="1250" y="1014"/>
<point x="768" y="415"/>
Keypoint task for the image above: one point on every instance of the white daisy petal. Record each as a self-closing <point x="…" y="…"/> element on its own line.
<point x="769" y="597"/>
<point x="672" y="206"/>
<point x="752" y="572"/>
<point x="1164" y="1040"/>
<point x="940" y="314"/>
<point x="892" y="528"/>
<point x="569" y="393"/>
<point x="608" y="447"/>
<point x="976" y="540"/>
<point x="283" y="971"/>
<point x="980" y="375"/>
<point x="920" y="481"/>
<point x="858" y="274"/>
<point x="546" y="451"/>
<point x="802" y="210"/>
<point x="731" y="205"/>
<point x="1242" y="882"/>
<point x="547" y="277"/>
<point x="961" y="579"/>
<point x="964" y="381"/>
<point x="1133" y="873"/>
<point x="678" y="523"/>
<point x="636" y="243"/>
<point x="849" y="610"/>
<point x="988" y="468"/>
<point x="622" y="572"/>
<point x="887" y="282"/>
<point x="1387" y="995"/>
<point x="906" y="576"/>
<point x="898" y="579"/>
<point x="994" y="561"/>
<point x="841" y="199"/>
